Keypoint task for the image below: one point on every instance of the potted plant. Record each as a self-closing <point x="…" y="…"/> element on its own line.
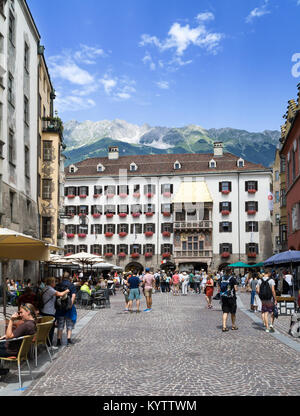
<point x="149" y="254"/>
<point x="70" y="196"/>
<point x="122" y="234"/>
<point x="135" y="255"/>
<point x="166" y="233"/>
<point x="109" y="215"/>
<point x="166" y="214"/>
<point x="149" y="194"/>
<point x="225" y="191"/>
<point x="136" y="194"/>
<point x="82" y="196"/>
<point x="108" y="254"/>
<point x="96" y="215"/>
<point x="166" y="255"/>
<point x="149" y="233"/>
<point x="167" y="194"/>
<point x="251" y="254"/>
<point x="109" y="234"/>
<point x="225" y="212"/>
<point x="251" y="191"/>
<point x="149" y="214"/>
<point x="81" y="235"/>
<point x="122" y="195"/>
<point x="225" y="254"/>
<point x="122" y="254"/>
<point x="96" y="195"/>
<point x="251" y="212"/>
<point x="70" y="235"/>
<point x="122" y="214"/>
<point x="136" y="214"/>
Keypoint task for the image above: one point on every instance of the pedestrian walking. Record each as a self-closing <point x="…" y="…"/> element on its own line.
<point x="175" y="283"/>
<point x="197" y="280"/>
<point x="253" y="283"/>
<point x="125" y="290"/>
<point x="228" y="289"/>
<point x="209" y="290"/>
<point x="157" y="279"/>
<point x="203" y="281"/>
<point x="134" y="283"/>
<point x="184" y="283"/>
<point x="191" y="282"/>
<point x="149" y="283"/>
<point x="66" y="317"/>
<point x="266" y="291"/>
<point x="168" y="278"/>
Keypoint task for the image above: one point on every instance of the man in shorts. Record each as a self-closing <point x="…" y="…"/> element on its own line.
<point x="175" y="282"/>
<point x="267" y="301"/>
<point x="149" y="284"/>
<point x="69" y="317"/>
<point x="228" y="300"/>
<point x="133" y="284"/>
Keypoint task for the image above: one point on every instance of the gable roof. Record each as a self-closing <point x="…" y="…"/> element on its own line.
<point x="151" y="165"/>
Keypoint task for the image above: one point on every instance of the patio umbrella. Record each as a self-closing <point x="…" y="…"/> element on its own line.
<point x="84" y="258"/>
<point x="18" y="246"/>
<point x="238" y="264"/>
<point x="290" y="256"/>
<point x="261" y="264"/>
<point x="103" y="266"/>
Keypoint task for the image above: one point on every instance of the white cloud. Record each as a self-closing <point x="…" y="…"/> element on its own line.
<point x="258" y="12"/>
<point x="118" y="88"/>
<point x="108" y="84"/>
<point x="65" y="103"/>
<point x="65" y="68"/>
<point x="181" y="37"/>
<point x="87" y="54"/>
<point x="147" y="60"/>
<point x="163" y="85"/>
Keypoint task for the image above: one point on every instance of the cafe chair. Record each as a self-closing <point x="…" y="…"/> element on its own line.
<point x="41" y="337"/>
<point x="22" y="354"/>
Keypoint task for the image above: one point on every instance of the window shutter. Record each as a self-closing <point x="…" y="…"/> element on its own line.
<point x="220" y="248"/>
<point x="171" y="248"/>
<point x="247" y="226"/>
<point x="229" y="206"/>
<point x="161" y="189"/>
<point x="105" y="227"/>
<point x="77" y="190"/>
<point x="92" y="229"/>
<point x="131" y="248"/>
<point x="162" y="227"/>
<point x="246" y="206"/>
<point x="66" y="191"/>
<point x="153" y="228"/>
<point x="220" y="206"/>
<point x="256" y="185"/>
<point x="256" y="226"/>
<point x="256" y="206"/>
<point x="256" y="248"/>
<point x="144" y="248"/>
<point x="220" y="227"/>
<point x="118" y="228"/>
<point x="229" y="186"/>
<point x="171" y="188"/>
<point x="230" y="245"/>
<point x="247" y="248"/>
<point x="230" y="227"/>
<point x="161" y="248"/>
<point x="87" y="190"/>
<point x="220" y="186"/>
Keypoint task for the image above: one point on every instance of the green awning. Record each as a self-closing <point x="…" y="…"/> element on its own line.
<point x="238" y="264"/>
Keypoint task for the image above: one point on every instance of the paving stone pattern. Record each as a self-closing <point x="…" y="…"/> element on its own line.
<point x="177" y="349"/>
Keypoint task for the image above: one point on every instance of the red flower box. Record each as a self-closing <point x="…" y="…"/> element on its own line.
<point x="166" y="255"/>
<point x="71" y="215"/>
<point x="69" y="254"/>
<point x="82" y="214"/>
<point x="123" y="195"/>
<point x="122" y="234"/>
<point x="136" y="214"/>
<point x="225" y="212"/>
<point x="70" y="235"/>
<point x="167" y="194"/>
<point x="148" y="254"/>
<point x="70" y="196"/>
<point x="251" y="254"/>
<point x="135" y="255"/>
<point x="81" y="235"/>
<point x="166" y="214"/>
<point x="251" y="191"/>
<point x="109" y="215"/>
<point x="96" y="215"/>
<point x="149" y="233"/>
<point x="109" y="234"/>
<point x="110" y="195"/>
<point x="225" y="192"/>
<point x="122" y="214"/>
<point x="108" y="254"/>
<point x="96" y="195"/>
<point x="225" y="254"/>
<point x="149" y="195"/>
<point x="82" y="196"/>
<point x="251" y="212"/>
<point x="166" y="233"/>
<point x="149" y="214"/>
<point x="136" y="194"/>
<point x="122" y="254"/>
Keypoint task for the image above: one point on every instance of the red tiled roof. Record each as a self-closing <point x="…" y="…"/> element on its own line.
<point x="162" y="164"/>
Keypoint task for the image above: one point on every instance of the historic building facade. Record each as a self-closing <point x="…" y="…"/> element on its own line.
<point x="188" y="211"/>
<point x="25" y="90"/>
<point x="290" y="155"/>
<point x="276" y="217"/>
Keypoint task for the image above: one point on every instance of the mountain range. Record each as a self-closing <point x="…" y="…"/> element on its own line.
<point x="92" y="139"/>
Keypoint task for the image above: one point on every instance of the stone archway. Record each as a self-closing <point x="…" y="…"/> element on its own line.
<point x="134" y="267"/>
<point x="168" y="267"/>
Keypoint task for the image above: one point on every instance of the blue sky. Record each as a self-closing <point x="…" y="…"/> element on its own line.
<point x="214" y="63"/>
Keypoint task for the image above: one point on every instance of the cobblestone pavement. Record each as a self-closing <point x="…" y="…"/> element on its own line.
<point x="177" y="349"/>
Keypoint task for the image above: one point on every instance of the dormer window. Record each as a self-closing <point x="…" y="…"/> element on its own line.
<point x="177" y="165"/>
<point x="212" y="164"/>
<point x="100" y="167"/>
<point x="72" y="169"/>
<point x="133" y="167"/>
<point x="240" y="163"/>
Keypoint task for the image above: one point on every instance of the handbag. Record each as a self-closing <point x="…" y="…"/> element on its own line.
<point x="275" y="311"/>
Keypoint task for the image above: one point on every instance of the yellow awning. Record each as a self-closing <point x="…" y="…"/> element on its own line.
<point x="15" y="245"/>
<point x="192" y="192"/>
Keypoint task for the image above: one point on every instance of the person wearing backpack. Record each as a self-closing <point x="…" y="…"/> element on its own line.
<point x="48" y="297"/>
<point x="228" y="289"/>
<point x="266" y="291"/>
<point x="66" y="313"/>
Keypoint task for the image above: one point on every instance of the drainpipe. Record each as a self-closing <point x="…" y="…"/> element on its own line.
<point x="239" y="225"/>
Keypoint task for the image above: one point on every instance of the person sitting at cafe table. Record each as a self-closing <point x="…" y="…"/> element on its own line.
<point x="27" y="314"/>
<point x="86" y="288"/>
<point x="12" y="291"/>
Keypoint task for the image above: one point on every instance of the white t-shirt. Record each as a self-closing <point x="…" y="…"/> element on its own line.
<point x="288" y="279"/>
<point x="271" y="281"/>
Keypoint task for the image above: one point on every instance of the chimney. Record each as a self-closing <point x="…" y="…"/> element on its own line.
<point x="113" y="153"/>
<point x="218" y="148"/>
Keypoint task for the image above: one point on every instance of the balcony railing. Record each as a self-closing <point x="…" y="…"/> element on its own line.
<point x="193" y="225"/>
<point x="193" y="253"/>
<point x="53" y="125"/>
